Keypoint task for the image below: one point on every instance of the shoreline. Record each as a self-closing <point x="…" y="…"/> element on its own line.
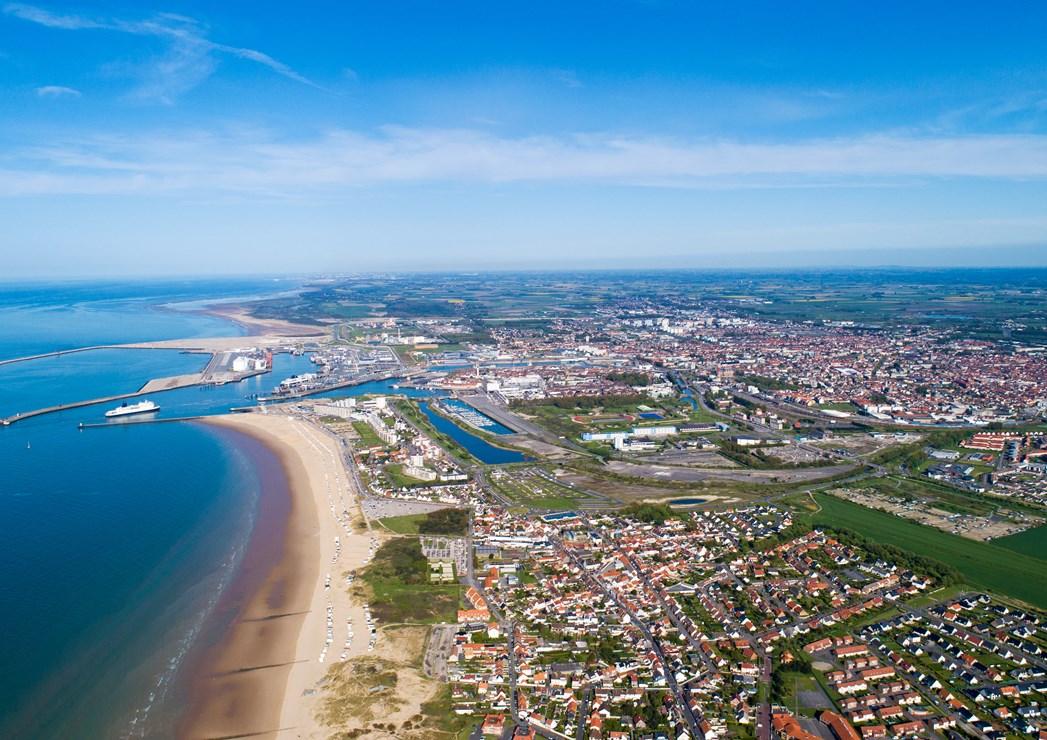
<point x="261" y="676"/>
<point x="241" y="317"/>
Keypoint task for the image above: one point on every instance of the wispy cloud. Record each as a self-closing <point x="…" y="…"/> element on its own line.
<point x="191" y="57"/>
<point x="49" y="19"/>
<point x="258" y="163"/>
<point x="567" y="78"/>
<point x="57" y="91"/>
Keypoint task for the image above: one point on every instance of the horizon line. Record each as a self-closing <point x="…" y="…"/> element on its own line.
<point x="319" y="275"/>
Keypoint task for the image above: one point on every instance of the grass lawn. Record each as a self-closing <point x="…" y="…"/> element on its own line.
<point x="398" y="479"/>
<point x="1030" y="542"/>
<point x="701" y="416"/>
<point x="798" y="683"/>
<point x="407" y="524"/>
<point x="846" y="406"/>
<point x="443" y="522"/>
<point x="982" y="564"/>
<point x="935" y="596"/>
<point x="367" y="436"/>
<point x="397" y="586"/>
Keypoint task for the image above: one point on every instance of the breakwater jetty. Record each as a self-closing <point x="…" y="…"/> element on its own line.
<point x="132" y="422"/>
<point x="153" y="386"/>
<point x="57" y="353"/>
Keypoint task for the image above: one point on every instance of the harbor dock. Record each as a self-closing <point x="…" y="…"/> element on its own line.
<point x="153" y="386"/>
<point x="129" y="422"/>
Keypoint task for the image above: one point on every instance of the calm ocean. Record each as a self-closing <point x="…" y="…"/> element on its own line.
<point x="116" y="542"/>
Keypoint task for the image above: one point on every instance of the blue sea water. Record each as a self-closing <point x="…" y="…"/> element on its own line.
<point x="113" y="549"/>
<point x="116" y="542"/>
<point x="45" y="317"/>
<point x="80" y="376"/>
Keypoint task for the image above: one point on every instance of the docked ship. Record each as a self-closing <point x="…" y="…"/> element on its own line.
<point x="142" y="407"/>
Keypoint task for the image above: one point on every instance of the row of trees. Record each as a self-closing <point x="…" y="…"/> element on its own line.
<point x="780" y="680"/>
<point x="629" y="377"/>
<point x="648" y="512"/>
<point x="583" y="403"/>
<point x="945" y="575"/>
<point x="445" y="521"/>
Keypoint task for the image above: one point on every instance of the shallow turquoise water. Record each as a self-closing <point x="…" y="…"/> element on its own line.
<point x="44" y="317"/>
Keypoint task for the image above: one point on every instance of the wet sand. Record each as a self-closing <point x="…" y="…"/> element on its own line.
<point x="241" y="316"/>
<point x="261" y="679"/>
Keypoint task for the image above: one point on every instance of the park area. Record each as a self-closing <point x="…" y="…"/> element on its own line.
<point x="446" y="522"/>
<point x="537" y="488"/>
<point x="396" y="584"/>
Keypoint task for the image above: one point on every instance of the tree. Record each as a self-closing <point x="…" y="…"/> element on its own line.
<point x="445" y="521"/>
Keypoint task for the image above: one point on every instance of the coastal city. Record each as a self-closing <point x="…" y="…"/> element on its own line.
<point x="656" y="518"/>
<point x="674" y="524"/>
<point x="629" y="370"/>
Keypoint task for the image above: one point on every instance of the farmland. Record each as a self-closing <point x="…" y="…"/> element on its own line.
<point x="982" y="564"/>
<point x="1030" y="542"/>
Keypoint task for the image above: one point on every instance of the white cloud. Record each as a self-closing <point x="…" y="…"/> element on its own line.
<point x="189" y="59"/>
<point x="51" y="20"/>
<point x="57" y="91"/>
<point x="567" y="77"/>
<point x="253" y="162"/>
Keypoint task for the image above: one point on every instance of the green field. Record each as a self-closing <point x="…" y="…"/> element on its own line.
<point x="407" y="524"/>
<point x="982" y="564"/>
<point x="967" y="302"/>
<point x="367" y="436"/>
<point x="527" y="488"/>
<point x="1030" y="542"/>
<point x="398" y="479"/>
<point x="397" y="586"/>
<point x="444" y="522"/>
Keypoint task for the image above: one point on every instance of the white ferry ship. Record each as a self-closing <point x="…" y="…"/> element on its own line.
<point x="142" y="407"/>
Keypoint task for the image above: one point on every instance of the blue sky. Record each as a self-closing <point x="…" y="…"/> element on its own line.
<point x="223" y="137"/>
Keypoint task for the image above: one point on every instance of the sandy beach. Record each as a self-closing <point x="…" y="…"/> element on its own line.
<point x="254" y="325"/>
<point x="262" y="680"/>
